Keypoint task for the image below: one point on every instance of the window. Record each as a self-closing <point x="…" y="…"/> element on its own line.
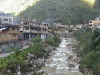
<point x="5" y="19"/>
<point x="27" y="28"/>
<point x="17" y="28"/>
<point x="90" y="21"/>
<point x="14" y="35"/>
<point x="44" y="29"/>
<point x="13" y="28"/>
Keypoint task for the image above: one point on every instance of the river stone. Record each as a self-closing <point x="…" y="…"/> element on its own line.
<point x="70" y="57"/>
<point x="39" y="72"/>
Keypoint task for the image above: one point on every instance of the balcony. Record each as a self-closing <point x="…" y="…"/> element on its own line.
<point x="30" y="31"/>
<point x="35" y="31"/>
<point x="13" y="31"/>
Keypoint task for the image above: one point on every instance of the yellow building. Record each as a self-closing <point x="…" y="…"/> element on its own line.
<point x="10" y="33"/>
<point x="95" y="23"/>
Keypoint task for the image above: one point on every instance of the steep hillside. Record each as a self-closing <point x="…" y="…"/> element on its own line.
<point x="97" y="5"/>
<point x="64" y="11"/>
<point x="89" y="49"/>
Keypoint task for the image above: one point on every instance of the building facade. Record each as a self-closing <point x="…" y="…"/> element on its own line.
<point x="6" y="18"/>
<point x="31" y="31"/>
<point x="9" y="33"/>
<point x="95" y="23"/>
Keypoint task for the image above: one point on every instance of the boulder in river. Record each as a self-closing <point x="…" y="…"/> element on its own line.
<point x="71" y="65"/>
<point x="70" y="57"/>
<point x="39" y="72"/>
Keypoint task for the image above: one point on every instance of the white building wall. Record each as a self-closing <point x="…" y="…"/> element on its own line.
<point x="43" y="36"/>
<point x="98" y="26"/>
<point x="9" y="20"/>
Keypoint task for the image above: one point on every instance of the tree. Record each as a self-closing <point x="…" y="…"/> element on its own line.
<point x="63" y="11"/>
<point x="36" y="39"/>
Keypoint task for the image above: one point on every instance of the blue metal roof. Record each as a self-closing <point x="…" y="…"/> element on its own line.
<point x="3" y="14"/>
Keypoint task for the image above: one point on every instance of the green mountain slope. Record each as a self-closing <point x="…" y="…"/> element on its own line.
<point x="64" y="11"/>
<point x="89" y="49"/>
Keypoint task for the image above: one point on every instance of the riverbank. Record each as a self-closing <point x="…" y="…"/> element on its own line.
<point x="89" y="49"/>
<point x="28" y="59"/>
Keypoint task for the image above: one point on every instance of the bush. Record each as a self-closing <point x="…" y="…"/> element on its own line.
<point x="69" y="29"/>
<point x="81" y="31"/>
<point x="90" y="41"/>
<point x="53" y="41"/>
<point x="12" y="61"/>
<point x="36" y="39"/>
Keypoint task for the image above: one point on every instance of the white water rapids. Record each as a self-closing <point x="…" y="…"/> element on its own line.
<point x="59" y="64"/>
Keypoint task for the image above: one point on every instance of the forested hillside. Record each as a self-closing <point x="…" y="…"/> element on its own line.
<point x="64" y="11"/>
<point x="97" y="5"/>
<point x="89" y="49"/>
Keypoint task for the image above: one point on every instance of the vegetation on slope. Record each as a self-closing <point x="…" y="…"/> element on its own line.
<point x="97" y="5"/>
<point x="89" y="41"/>
<point x="51" y="41"/>
<point x="64" y="11"/>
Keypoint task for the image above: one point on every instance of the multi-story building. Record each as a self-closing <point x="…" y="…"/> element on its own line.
<point x="31" y="31"/>
<point x="9" y="33"/>
<point x="29" y="28"/>
<point x="95" y="23"/>
<point x="25" y="31"/>
<point x="6" y="18"/>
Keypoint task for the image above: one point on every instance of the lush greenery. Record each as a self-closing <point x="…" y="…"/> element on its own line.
<point x="97" y="5"/>
<point x="18" y="57"/>
<point x="36" y="39"/>
<point x="12" y="61"/>
<point x="53" y="41"/>
<point x="89" y="43"/>
<point x="69" y="29"/>
<point x="63" y="11"/>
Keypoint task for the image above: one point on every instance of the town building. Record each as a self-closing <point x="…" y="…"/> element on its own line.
<point x="9" y="33"/>
<point x="30" y="31"/>
<point x="78" y="26"/>
<point x="95" y="23"/>
<point x="27" y="30"/>
<point x="30" y="28"/>
<point x="6" y="18"/>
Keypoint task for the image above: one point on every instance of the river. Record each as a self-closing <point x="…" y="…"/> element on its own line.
<point x="63" y="60"/>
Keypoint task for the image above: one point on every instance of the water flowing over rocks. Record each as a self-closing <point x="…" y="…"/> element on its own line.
<point x="63" y="61"/>
<point x="34" y="64"/>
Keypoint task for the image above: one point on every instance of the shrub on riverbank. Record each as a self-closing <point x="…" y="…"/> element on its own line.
<point x="36" y="39"/>
<point x="89" y="41"/>
<point x="69" y="29"/>
<point x="12" y="61"/>
<point x="53" y="41"/>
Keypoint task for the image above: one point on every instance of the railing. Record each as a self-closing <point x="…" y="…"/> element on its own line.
<point x="35" y="31"/>
<point x="13" y="31"/>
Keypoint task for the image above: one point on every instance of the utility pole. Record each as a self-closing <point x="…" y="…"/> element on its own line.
<point x="9" y="41"/>
<point x="30" y="31"/>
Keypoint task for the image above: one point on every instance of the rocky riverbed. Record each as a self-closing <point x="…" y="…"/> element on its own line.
<point x="63" y="60"/>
